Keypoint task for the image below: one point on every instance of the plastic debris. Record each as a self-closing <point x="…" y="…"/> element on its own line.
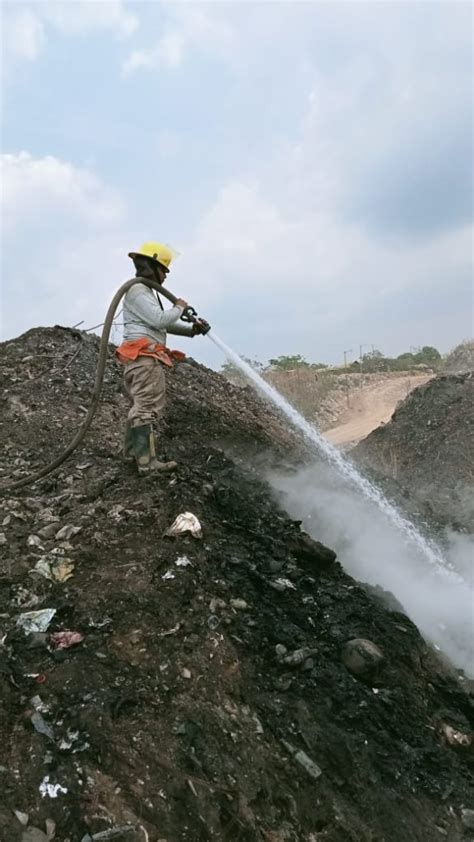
<point x="65" y="639"/>
<point x="41" y="726"/>
<point x="168" y="575"/>
<point x="302" y="758"/>
<point x="454" y="738"/>
<point x="36" y="621"/>
<point x="52" y="790"/>
<point x="213" y="622"/>
<point x="186" y="522"/>
<point x="38" y="704"/>
<point x="67" y="532"/>
<point x="283" y="585"/>
<point x="54" y="567"/>
<point x="50" y="825"/>
<point x="183" y="561"/>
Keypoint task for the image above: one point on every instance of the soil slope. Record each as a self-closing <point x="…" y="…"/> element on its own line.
<point x="428" y="449"/>
<point x="209" y="698"/>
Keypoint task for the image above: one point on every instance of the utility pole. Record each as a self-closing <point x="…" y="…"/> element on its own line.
<point x="349" y="351"/>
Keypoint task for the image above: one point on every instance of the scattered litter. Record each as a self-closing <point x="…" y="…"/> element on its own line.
<point x="168" y="575"/>
<point x="302" y="758"/>
<point x="67" y="532"/>
<point x="23" y="598"/>
<point x="38" y="704"/>
<point x="41" y="726"/>
<point x="56" y="568"/>
<point x="50" y="828"/>
<point x="65" y="639"/>
<point x="52" y="790"/>
<point x="186" y="522"/>
<point x="23" y="818"/>
<point x="213" y="622"/>
<point x="36" y="621"/>
<point x="283" y="585"/>
<point x="183" y="561"/>
<point x="175" y="629"/>
<point x="73" y="741"/>
<point x="454" y="738"/>
<point x="239" y="604"/>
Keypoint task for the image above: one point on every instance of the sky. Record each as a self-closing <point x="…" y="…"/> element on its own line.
<point x="310" y="162"/>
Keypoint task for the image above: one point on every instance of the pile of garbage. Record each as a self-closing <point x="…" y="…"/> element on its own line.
<point x="178" y="660"/>
<point x="427" y="450"/>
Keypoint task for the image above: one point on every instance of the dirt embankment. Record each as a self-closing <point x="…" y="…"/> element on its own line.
<point x="428" y="449"/>
<point x="215" y="694"/>
<point x="346" y="406"/>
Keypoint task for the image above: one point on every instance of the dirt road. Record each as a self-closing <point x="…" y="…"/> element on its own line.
<point x="372" y="406"/>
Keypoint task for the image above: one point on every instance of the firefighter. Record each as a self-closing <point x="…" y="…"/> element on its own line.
<point x="145" y="356"/>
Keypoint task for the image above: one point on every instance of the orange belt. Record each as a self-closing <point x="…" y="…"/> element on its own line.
<point x="130" y="351"/>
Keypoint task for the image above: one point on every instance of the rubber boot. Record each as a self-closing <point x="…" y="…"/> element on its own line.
<point x="128" y="443"/>
<point x="143" y="445"/>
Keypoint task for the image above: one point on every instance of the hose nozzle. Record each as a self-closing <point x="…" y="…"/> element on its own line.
<point x="190" y="315"/>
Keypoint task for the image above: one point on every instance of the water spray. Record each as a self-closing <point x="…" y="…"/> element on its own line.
<point x="344" y="466"/>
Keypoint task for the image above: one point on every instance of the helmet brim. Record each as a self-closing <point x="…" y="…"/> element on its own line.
<point x="134" y="254"/>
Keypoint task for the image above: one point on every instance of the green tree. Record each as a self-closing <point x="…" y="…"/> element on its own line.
<point x="286" y="362"/>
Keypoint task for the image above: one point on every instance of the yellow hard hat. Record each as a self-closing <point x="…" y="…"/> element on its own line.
<point x="155" y="251"/>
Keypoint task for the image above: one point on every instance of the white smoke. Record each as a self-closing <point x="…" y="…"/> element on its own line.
<point x="373" y="550"/>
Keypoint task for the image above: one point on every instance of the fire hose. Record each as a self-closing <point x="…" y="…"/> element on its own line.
<point x="189" y="315"/>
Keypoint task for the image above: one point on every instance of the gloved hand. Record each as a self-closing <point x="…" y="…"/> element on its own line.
<point x="200" y="327"/>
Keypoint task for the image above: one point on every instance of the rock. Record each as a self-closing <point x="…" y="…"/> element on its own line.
<point x="23" y="818"/>
<point x="280" y="650"/>
<point x="239" y="604"/>
<point x="47" y="531"/>
<point x="67" y="532"/>
<point x="34" y="834"/>
<point x="467" y="818"/>
<point x="3" y="539"/>
<point x="299" y="656"/>
<point x="361" y="657"/>
<point x="186" y="673"/>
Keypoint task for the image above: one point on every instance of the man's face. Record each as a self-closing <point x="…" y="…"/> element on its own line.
<point x="160" y="274"/>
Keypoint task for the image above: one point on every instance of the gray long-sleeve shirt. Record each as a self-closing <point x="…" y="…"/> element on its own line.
<point x="143" y="317"/>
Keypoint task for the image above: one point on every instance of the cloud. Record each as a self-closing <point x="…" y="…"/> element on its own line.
<point x="64" y="242"/>
<point x="25" y="28"/>
<point x="79" y="17"/>
<point x="23" y="35"/>
<point x="35" y="187"/>
<point x="188" y="28"/>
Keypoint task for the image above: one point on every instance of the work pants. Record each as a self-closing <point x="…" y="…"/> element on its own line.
<point x="145" y="386"/>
